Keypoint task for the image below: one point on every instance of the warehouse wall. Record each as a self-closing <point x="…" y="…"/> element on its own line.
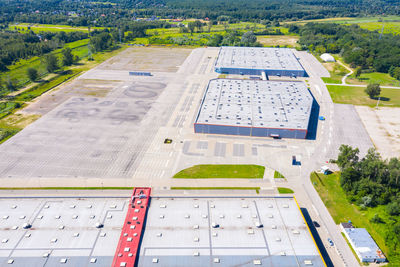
<point x="249" y="131"/>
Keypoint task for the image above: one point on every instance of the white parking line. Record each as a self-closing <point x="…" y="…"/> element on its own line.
<point x="315" y="209"/>
<point x="166" y="163"/>
<point x="318" y="89"/>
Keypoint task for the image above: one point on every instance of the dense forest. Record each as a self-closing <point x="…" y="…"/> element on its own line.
<point x="359" y="47"/>
<point x="114" y="12"/>
<point x="371" y="181"/>
<point x="15" y="46"/>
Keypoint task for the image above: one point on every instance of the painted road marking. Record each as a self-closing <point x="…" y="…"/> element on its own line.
<point x="318" y="89"/>
<point x="315" y="209"/>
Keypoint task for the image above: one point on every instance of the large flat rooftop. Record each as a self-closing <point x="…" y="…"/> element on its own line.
<point x="226" y="231"/>
<point x="63" y="231"/>
<point x="258" y="58"/>
<point x="255" y="103"/>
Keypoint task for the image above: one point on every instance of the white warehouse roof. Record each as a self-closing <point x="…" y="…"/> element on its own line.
<point x="256" y="103"/>
<point x="227" y="231"/>
<point x="257" y="58"/>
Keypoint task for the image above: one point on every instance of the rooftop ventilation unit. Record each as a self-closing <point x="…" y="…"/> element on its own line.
<point x="214" y="225"/>
<point x="26" y="225"/>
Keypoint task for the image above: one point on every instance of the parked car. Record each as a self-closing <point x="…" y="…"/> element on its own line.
<point x="316" y="224"/>
<point x="330" y="242"/>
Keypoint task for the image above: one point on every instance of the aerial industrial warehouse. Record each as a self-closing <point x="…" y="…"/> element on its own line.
<point x="255" y="108"/>
<point x="60" y="231"/>
<point x="255" y="60"/>
<point x="178" y="231"/>
<point x="229" y="231"/>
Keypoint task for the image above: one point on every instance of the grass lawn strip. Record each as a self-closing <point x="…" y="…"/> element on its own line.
<point x="278" y="175"/>
<point x="222" y="171"/>
<point x="284" y="190"/>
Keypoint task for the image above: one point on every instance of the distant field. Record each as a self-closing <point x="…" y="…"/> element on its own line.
<point x="222" y="171"/>
<point x="391" y="23"/>
<point x="356" y="96"/>
<point x="341" y="210"/>
<point x="281" y="40"/>
<point x="49" y="27"/>
<point x="18" y="71"/>
<point x="389" y="27"/>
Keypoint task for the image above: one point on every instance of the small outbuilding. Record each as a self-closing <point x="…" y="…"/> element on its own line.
<point x="327" y="57"/>
<point x="364" y="246"/>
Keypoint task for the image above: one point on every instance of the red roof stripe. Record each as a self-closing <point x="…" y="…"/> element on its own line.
<point x="129" y="243"/>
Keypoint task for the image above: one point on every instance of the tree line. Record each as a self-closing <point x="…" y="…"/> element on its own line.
<point x="371" y="181"/>
<point x="368" y="50"/>
<point x="15" y="46"/>
<point x="113" y="12"/>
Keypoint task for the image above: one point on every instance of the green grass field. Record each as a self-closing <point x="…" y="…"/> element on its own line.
<point x="336" y="71"/>
<point x="35" y="27"/>
<point x="41" y="88"/>
<point x="284" y="190"/>
<point x="389" y="27"/>
<point x="374" y="77"/>
<point x="7" y="107"/>
<point x="222" y="171"/>
<point x="391" y="23"/>
<point x="342" y="210"/>
<point x="357" y="96"/>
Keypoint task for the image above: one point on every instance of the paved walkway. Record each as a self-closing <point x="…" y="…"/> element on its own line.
<point x="356" y="85"/>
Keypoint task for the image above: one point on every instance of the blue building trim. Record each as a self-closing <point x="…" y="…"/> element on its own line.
<point x="249" y="131"/>
<point x="269" y="72"/>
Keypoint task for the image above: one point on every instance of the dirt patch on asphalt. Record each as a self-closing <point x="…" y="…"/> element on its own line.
<point x="157" y="59"/>
<point x="383" y="126"/>
<point x="77" y="87"/>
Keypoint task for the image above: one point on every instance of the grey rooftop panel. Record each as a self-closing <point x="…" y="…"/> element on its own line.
<point x="258" y="58"/>
<point x="255" y="103"/>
